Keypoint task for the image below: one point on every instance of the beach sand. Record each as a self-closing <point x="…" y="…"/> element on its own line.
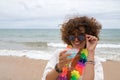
<point x="111" y="70"/>
<point x="22" y="68"/>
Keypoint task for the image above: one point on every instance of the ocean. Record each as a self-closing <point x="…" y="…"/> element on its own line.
<point x="42" y="43"/>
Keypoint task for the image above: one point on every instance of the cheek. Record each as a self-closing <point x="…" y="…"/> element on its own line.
<point x="72" y="43"/>
<point x="83" y="44"/>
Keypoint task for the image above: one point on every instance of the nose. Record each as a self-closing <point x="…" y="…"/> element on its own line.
<point x="76" y="39"/>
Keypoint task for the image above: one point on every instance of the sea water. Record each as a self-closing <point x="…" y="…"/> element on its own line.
<point x="42" y="43"/>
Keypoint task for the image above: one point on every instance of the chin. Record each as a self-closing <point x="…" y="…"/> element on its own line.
<point x="79" y="46"/>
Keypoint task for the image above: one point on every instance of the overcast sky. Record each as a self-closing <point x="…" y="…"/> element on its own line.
<point x="51" y="13"/>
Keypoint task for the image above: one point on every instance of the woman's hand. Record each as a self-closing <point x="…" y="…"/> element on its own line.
<point x="91" y="42"/>
<point x="63" y="60"/>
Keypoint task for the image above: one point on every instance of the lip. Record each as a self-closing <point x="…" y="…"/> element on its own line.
<point x="77" y="43"/>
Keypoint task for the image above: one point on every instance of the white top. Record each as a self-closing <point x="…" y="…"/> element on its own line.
<point x="55" y="58"/>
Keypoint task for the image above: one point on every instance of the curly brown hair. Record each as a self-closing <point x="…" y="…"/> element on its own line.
<point x="92" y="27"/>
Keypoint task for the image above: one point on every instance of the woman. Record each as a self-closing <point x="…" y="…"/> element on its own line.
<point x="81" y="33"/>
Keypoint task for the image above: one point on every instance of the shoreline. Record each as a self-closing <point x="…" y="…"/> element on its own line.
<point x="23" y="68"/>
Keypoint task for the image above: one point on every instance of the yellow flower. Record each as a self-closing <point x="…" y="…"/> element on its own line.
<point x="76" y="74"/>
<point x="85" y="51"/>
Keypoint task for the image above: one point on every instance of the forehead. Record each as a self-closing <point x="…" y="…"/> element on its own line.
<point x="80" y="30"/>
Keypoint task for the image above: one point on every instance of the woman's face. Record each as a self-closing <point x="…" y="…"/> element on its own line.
<point x="78" y="39"/>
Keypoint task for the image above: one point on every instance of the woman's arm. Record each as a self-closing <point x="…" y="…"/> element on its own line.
<point x="89" y="68"/>
<point x="53" y="74"/>
<point x="91" y="42"/>
<point x="49" y="69"/>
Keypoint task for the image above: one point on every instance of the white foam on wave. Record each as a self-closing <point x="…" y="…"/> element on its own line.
<point x="34" y="54"/>
<point x="108" y="46"/>
<point x="45" y="55"/>
<point x="115" y="57"/>
<point x="59" y="45"/>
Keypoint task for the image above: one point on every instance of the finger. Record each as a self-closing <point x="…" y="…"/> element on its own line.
<point x="62" y="52"/>
<point x="90" y="37"/>
<point x="69" y="60"/>
<point x="87" y="36"/>
<point x="66" y="61"/>
<point x="63" y="62"/>
<point x="94" y="38"/>
<point x="64" y="56"/>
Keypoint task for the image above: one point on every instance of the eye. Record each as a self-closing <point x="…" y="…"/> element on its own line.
<point x="81" y="37"/>
<point x="71" y="38"/>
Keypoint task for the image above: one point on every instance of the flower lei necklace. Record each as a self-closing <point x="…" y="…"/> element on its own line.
<point x="76" y="73"/>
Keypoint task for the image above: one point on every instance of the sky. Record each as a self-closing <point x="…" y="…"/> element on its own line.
<point x="52" y="13"/>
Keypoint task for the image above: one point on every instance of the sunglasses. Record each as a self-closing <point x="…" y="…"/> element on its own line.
<point x="79" y="37"/>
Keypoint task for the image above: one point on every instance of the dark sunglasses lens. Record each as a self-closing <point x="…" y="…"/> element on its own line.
<point x="81" y="37"/>
<point x="71" y="38"/>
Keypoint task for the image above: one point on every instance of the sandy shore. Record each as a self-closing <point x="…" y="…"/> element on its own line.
<point x="22" y="68"/>
<point x="111" y="70"/>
